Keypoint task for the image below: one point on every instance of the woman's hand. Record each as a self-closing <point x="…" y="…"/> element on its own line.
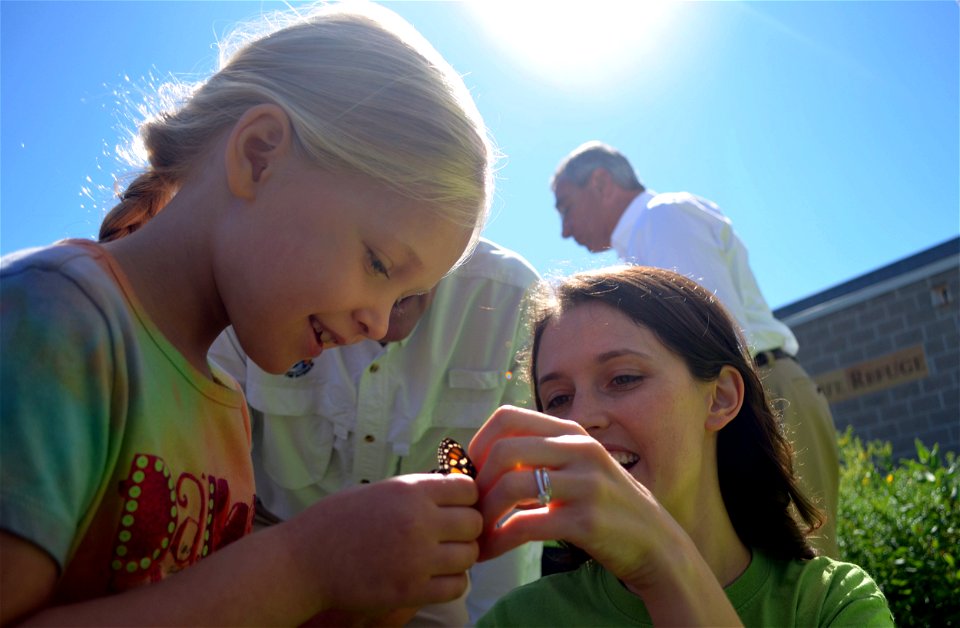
<point x="595" y="504"/>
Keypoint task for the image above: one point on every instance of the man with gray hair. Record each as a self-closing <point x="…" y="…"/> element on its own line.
<point x="604" y="205"/>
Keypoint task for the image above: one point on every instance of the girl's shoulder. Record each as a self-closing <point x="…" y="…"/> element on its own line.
<point x="67" y="273"/>
<point x="68" y="260"/>
<point x="68" y="287"/>
<point x="50" y="255"/>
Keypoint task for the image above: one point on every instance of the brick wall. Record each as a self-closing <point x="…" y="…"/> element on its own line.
<point x="886" y="349"/>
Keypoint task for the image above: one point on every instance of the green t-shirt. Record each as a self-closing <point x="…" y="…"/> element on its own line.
<point x="817" y="592"/>
<point x="119" y="459"/>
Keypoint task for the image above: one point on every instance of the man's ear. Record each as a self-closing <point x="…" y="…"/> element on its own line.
<point x="599" y="181"/>
<point x="605" y="188"/>
<point x="727" y="398"/>
<point x="257" y="140"/>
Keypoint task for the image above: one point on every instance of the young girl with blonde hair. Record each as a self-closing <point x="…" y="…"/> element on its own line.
<point x="330" y="168"/>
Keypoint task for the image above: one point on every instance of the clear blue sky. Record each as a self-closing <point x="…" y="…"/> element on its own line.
<point x="828" y="131"/>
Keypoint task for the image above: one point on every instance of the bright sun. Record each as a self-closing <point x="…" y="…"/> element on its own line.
<point x="573" y="43"/>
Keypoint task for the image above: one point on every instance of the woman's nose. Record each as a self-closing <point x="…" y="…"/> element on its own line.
<point x="588" y="413"/>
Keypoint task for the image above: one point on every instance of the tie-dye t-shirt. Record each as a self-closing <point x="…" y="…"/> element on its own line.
<point x="118" y="457"/>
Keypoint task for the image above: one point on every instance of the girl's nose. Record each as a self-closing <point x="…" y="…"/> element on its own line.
<point x="374" y="321"/>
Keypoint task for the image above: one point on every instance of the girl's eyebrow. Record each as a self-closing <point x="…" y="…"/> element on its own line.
<point x="606" y="356"/>
<point x="406" y="262"/>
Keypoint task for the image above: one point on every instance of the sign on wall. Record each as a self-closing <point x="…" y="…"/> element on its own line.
<point x="870" y="376"/>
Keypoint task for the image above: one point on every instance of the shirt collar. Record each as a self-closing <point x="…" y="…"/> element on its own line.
<point x="620" y="238"/>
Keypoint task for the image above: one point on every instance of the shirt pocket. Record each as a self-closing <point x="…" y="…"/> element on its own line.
<point x="469" y="398"/>
<point x="300" y="430"/>
<point x="463" y="404"/>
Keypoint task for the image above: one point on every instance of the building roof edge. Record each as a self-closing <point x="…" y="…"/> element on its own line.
<point x="870" y="282"/>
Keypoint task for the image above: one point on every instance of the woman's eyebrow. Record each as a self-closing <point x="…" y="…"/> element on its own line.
<point x="606" y="356"/>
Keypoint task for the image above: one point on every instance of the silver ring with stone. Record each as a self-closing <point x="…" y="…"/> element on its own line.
<point x="544" y="491"/>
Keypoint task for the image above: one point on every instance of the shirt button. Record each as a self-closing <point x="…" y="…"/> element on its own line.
<point x="374" y="367"/>
<point x="369" y="438"/>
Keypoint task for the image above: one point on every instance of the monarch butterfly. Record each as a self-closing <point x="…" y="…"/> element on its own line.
<point x="453" y="458"/>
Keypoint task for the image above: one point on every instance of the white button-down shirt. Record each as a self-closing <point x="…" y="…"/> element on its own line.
<point x="690" y="235"/>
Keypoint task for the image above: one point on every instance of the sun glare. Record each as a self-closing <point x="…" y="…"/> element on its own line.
<point x="575" y="43"/>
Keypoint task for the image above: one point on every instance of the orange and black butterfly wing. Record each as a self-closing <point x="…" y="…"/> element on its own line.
<point x="453" y="458"/>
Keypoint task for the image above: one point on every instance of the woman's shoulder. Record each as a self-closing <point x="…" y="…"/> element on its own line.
<point x="823" y="571"/>
<point x="827" y="590"/>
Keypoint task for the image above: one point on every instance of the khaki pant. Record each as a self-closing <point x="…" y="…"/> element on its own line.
<point x="809" y="425"/>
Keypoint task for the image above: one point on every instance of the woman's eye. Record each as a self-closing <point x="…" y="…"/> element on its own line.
<point x="556" y="401"/>
<point x="378" y="266"/>
<point x="625" y="380"/>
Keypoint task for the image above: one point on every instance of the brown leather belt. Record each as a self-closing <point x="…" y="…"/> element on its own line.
<point x="766" y="357"/>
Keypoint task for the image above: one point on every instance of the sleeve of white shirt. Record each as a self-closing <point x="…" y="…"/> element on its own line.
<point x="678" y="238"/>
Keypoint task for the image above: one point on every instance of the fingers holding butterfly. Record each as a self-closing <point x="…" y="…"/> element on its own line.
<point x="551" y="478"/>
<point x="534" y="480"/>
<point x="564" y="487"/>
<point x="510" y="422"/>
<point x="515" y="439"/>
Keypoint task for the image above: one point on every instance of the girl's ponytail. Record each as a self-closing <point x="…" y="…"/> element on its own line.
<point x="144" y="197"/>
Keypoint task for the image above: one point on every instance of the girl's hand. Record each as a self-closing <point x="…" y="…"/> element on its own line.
<point x="364" y="555"/>
<point x="402" y="542"/>
<point x="596" y="504"/>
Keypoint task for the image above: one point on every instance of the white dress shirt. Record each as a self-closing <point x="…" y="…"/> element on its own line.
<point x="366" y="412"/>
<point x="690" y="235"/>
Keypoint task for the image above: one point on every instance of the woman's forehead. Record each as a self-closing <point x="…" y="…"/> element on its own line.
<point x="594" y="328"/>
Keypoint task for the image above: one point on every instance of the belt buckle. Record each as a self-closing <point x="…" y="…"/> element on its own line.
<point x="764" y="358"/>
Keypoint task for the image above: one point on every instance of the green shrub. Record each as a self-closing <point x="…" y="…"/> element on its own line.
<point x="901" y="522"/>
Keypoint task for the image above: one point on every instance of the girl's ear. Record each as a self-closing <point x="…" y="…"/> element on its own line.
<point x="257" y="140"/>
<point x="727" y="398"/>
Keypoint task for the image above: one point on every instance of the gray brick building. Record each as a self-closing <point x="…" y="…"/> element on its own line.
<point x="885" y="348"/>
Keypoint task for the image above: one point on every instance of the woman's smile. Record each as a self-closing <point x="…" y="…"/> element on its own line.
<point x="626" y="459"/>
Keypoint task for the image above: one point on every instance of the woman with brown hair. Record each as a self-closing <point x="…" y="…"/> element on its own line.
<point x="663" y="461"/>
